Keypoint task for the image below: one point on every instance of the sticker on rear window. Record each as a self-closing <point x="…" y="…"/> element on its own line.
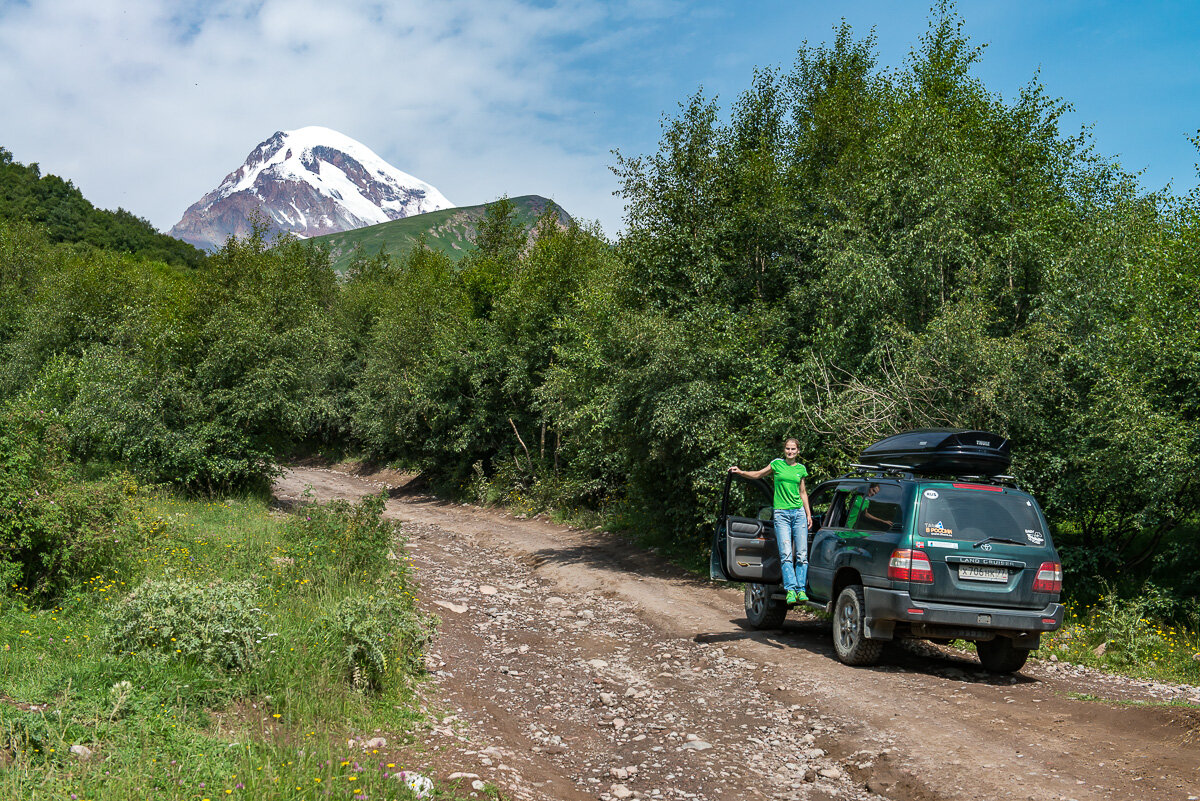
<point x="937" y="544"/>
<point x="931" y="494"/>
<point x="1035" y="537"/>
<point x="937" y="530"/>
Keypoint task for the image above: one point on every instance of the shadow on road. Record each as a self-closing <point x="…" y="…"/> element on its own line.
<point x="612" y="552"/>
<point x="901" y="656"/>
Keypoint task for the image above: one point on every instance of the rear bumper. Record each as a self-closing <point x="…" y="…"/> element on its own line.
<point x="886" y="608"/>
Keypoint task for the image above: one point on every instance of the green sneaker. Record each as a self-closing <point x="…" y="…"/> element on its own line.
<point x="791" y="598"/>
<point x="801" y="597"/>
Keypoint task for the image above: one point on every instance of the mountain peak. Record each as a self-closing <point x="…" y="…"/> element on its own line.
<point x="308" y="182"/>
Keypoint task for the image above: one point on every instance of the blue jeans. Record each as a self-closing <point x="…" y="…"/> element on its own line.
<point x="791" y="534"/>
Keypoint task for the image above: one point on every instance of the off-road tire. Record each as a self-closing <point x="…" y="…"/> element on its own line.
<point x="763" y="611"/>
<point x="1000" y="655"/>
<point x="849" y="629"/>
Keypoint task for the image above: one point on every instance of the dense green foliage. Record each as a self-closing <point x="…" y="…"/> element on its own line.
<point x="26" y="194"/>
<point x="198" y="378"/>
<point x="846" y="252"/>
<point x="57" y="530"/>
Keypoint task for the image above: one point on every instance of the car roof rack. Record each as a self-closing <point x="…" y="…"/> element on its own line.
<point x="889" y="470"/>
<point x="1006" y="481"/>
<point x="901" y="471"/>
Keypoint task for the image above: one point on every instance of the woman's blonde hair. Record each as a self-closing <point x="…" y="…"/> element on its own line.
<point x="791" y="439"/>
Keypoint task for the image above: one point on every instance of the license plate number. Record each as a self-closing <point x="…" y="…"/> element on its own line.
<point x="981" y="573"/>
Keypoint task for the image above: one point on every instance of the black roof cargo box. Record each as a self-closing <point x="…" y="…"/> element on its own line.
<point x="943" y="451"/>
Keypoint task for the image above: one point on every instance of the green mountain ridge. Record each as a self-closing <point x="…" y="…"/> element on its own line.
<point x="451" y="231"/>
<point x="67" y="216"/>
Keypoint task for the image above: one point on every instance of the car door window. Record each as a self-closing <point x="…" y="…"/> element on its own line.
<point x="748" y="499"/>
<point x="875" y="506"/>
<point x="836" y="515"/>
<point x="818" y="502"/>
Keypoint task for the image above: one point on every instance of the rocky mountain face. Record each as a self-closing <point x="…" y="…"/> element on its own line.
<point x="308" y="182"/>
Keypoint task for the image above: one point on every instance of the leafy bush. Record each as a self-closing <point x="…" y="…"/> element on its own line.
<point x="377" y="638"/>
<point x="55" y="529"/>
<point x="1131" y="634"/>
<point x="342" y="537"/>
<point x="173" y="618"/>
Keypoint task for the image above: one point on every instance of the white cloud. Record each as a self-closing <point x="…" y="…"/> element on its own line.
<point x="149" y="105"/>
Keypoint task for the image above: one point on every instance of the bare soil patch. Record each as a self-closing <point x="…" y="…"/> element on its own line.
<point x="572" y="665"/>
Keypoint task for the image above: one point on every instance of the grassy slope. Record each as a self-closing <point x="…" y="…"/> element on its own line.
<point x="180" y="730"/>
<point x="450" y="230"/>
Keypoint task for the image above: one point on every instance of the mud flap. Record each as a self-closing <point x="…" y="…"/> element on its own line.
<point x="879" y="629"/>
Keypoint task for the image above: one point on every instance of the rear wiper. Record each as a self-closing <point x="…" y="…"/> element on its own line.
<point x="998" y="539"/>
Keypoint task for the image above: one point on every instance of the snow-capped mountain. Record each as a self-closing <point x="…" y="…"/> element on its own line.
<point x="310" y="181"/>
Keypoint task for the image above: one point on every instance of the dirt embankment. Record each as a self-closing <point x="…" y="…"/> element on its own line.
<point x="570" y="665"/>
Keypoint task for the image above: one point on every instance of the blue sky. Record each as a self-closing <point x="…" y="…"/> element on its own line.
<point x="149" y="105"/>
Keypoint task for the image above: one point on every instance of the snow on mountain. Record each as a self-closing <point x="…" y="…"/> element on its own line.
<point x="310" y="181"/>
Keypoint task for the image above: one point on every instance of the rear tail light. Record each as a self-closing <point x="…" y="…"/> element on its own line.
<point x="1049" y="578"/>
<point x="909" y="565"/>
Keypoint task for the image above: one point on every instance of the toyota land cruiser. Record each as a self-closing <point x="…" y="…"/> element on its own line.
<point x="910" y="545"/>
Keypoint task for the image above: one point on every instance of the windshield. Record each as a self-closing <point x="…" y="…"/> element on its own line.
<point x="974" y="515"/>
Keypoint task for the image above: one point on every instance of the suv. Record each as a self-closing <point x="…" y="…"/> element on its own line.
<point x="907" y="548"/>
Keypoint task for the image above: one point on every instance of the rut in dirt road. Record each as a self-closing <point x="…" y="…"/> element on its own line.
<point x="570" y="665"/>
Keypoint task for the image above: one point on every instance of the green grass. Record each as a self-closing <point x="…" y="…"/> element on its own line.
<point x="451" y="231"/>
<point x="1127" y="635"/>
<point x="1130" y="703"/>
<point x="163" y="727"/>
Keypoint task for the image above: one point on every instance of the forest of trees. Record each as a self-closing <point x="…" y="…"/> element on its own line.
<point x="66" y="216"/>
<point x="847" y="251"/>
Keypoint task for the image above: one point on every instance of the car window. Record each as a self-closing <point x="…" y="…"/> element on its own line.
<point x="837" y="509"/>
<point x="818" y="502"/>
<point x="974" y="515"/>
<point x="748" y="499"/>
<point x="875" y="507"/>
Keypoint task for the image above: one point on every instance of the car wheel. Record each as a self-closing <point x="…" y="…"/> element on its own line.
<point x="849" y="631"/>
<point x="1000" y="655"/>
<point x="763" y="611"/>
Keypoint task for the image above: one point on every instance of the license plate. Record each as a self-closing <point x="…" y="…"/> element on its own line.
<point x="982" y="573"/>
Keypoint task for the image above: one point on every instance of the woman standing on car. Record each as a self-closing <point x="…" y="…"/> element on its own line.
<point x="793" y="517"/>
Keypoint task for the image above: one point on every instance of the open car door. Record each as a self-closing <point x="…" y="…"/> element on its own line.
<point x="743" y="547"/>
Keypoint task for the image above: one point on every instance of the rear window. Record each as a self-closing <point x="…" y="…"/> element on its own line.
<point x="964" y="514"/>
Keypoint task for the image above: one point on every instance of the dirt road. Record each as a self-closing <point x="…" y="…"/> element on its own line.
<point x="570" y="665"/>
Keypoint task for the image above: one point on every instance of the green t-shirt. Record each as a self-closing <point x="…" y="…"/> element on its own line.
<point x="857" y="504"/>
<point x="787" y="484"/>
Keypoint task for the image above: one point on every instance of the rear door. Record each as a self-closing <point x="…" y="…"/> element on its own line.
<point x="866" y="519"/>
<point x="744" y="547"/>
<point x="985" y="544"/>
<point x="828" y="519"/>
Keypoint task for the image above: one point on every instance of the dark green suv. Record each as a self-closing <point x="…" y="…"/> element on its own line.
<point x="908" y="549"/>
